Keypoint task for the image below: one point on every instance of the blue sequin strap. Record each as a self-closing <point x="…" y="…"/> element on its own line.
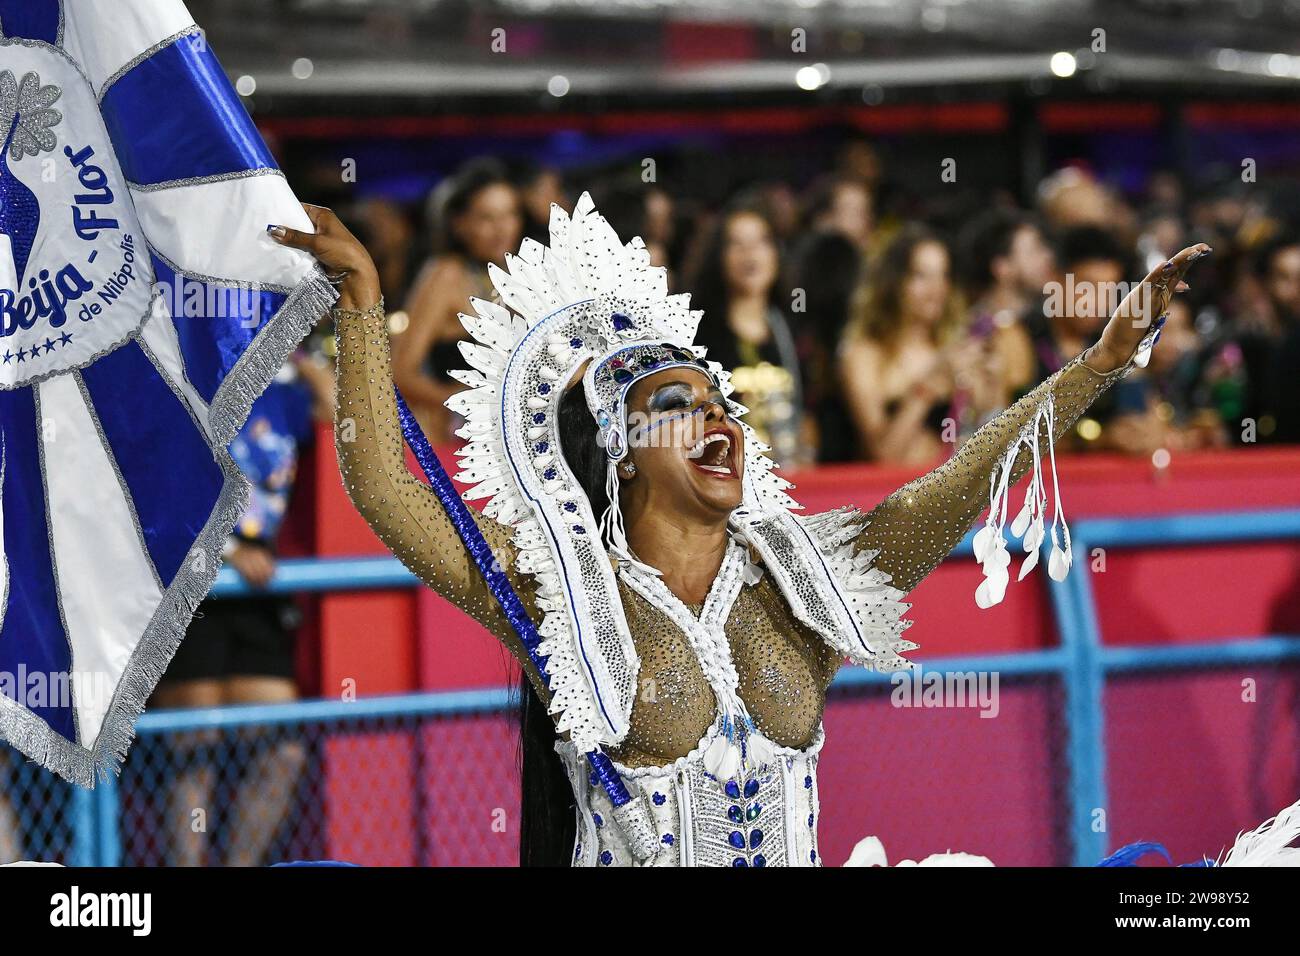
<point x="459" y="515"/>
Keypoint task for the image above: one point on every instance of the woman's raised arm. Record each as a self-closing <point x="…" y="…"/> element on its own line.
<point x="917" y="526"/>
<point x="402" y="510"/>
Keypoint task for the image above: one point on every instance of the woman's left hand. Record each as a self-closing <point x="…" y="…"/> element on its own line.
<point x="338" y="252"/>
<point x="1142" y="306"/>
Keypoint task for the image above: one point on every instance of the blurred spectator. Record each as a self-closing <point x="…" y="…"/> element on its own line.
<point x="539" y="187"/>
<point x="1072" y="197"/>
<point x="476" y="220"/>
<point x="1186" y="383"/>
<point x="389" y="235"/>
<point x="781" y="205"/>
<point x="1009" y="263"/>
<point x="635" y="208"/>
<point x="827" y="271"/>
<point x="241" y="651"/>
<point x="858" y="159"/>
<point x="745" y="328"/>
<point x="910" y="374"/>
<point x="1094" y="272"/>
<point x="1274" y="351"/>
<point x="843" y="205"/>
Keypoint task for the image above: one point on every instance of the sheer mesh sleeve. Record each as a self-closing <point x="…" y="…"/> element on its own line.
<point x="918" y="525"/>
<point x="402" y="510"/>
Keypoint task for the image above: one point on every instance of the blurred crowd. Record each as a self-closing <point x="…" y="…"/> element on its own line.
<point x="860" y="330"/>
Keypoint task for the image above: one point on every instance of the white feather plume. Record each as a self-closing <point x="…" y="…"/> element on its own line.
<point x="1269" y="844"/>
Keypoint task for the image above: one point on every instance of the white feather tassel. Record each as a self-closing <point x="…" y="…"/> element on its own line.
<point x="1269" y="844"/>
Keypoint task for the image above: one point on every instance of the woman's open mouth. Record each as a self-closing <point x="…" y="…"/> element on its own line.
<point x="713" y="454"/>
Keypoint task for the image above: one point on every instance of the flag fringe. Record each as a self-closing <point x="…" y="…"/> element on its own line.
<point x="249" y="377"/>
<point x="261" y="361"/>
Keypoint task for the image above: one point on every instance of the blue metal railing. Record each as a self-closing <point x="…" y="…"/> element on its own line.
<point x="1081" y="662"/>
<point x="1076" y="618"/>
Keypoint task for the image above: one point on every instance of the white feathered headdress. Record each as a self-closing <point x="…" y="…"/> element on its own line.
<point x="588" y="297"/>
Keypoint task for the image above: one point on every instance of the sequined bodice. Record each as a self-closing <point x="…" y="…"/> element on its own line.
<point x="784" y="669"/>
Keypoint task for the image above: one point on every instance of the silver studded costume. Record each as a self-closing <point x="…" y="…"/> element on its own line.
<point x="711" y="713"/>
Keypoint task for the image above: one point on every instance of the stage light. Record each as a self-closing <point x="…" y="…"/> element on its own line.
<point x="934" y="19"/>
<point x="1064" y="64"/>
<point x="245" y="85"/>
<point x="1228" y="59"/>
<point x="1279" y="64"/>
<point x="557" y="85"/>
<point x="302" y="68"/>
<point x="813" y="77"/>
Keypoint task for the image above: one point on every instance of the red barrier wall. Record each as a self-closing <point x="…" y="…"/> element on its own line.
<point x="924" y="780"/>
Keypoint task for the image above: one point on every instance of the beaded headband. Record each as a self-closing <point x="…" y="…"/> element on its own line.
<point x="609" y="379"/>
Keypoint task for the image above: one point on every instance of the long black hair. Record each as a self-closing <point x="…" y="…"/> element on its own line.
<point x="548" y="825"/>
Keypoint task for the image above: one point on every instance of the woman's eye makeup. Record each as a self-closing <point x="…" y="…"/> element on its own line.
<point x="680" y="397"/>
<point x="671" y="397"/>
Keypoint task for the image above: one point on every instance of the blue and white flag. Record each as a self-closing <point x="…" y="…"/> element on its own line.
<point x="143" y="309"/>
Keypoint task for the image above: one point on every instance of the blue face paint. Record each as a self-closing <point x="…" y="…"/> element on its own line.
<point x="674" y="418"/>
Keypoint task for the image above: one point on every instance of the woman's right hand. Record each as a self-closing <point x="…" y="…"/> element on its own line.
<point x="337" y="251"/>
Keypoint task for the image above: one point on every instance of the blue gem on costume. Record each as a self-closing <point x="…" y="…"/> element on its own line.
<point x="658" y="798"/>
<point x="622" y="376"/>
<point x="606" y="858"/>
<point x="600" y="821"/>
<point x="807" y="783"/>
<point x="755" y="838"/>
<point x="539" y="418"/>
<point x="667" y="839"/>
<point x="579" y="529"/>
<point x="751" y="788"/>
<point x="810" y="819"/>
<point x="732" y="789"/>
<point x="621" y="322"/>
<point x="541" y="447"/>
<point x="735" y="814"/>
<point x="570" y="507"/>
<point x="544" y="388"/>
<point x="549" y="474"/>
<point x="813" y="856"/>
<point x="739" y="862"/>
<point x="760" y="860"/>
<point x="737" y="839"/>
<point x="575" y="343"/>
<point x="754" y="811"/>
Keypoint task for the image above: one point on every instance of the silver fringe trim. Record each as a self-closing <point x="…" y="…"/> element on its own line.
<point x="252" y="373"/>
<point x="262" y="360"/>
<point x="204" y="180"/>
<point x="35" y="738"/>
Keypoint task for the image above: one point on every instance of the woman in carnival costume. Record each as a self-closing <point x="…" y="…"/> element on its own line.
<point x="675" y="616"/>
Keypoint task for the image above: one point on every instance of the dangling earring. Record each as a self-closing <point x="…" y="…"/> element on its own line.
<point x="629" y="469"/>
